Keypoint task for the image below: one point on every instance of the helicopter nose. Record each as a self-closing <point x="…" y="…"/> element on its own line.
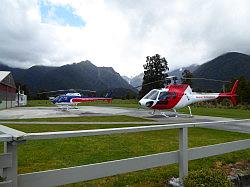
<point x="146" y="103"/>
<point x="141" y="103"/>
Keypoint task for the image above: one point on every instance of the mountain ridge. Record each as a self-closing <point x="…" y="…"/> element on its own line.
<point x="82" y="75"/>
<point x="226" y="67"/>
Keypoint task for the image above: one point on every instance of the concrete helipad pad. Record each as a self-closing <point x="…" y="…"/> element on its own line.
<point x="50" y="112"/>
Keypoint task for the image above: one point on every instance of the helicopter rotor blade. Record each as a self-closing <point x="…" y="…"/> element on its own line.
<point x="207" y="79"/>
<point x="53" y="91"/>
<point x="68" y="90"/>
<point x="91" y="91"/>
<point x="149" y="83"/>
<point x="194" y="78"/>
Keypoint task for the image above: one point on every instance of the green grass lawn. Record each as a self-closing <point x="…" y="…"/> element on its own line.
<point x="57" y="153"/>
<point x="37" y="103"/>
<point x="132" y="103"/>
<point x="219" y="112"/>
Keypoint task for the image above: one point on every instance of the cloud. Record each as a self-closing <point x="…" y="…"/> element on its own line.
<point x="121" y="33"/>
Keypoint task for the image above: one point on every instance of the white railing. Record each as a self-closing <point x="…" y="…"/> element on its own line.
<point x="12" y="137"/>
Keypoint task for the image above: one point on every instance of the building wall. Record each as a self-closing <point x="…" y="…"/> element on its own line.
<point x="7" y="96"/>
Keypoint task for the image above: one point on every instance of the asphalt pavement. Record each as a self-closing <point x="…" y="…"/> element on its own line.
<point x="51" y="112"/>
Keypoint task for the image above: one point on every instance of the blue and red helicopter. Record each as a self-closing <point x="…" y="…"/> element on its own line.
<point x="73" y="98"/>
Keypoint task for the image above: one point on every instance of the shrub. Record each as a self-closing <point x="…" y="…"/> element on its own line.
<point x="207" y="178"/>
<point x="1" y="179"/>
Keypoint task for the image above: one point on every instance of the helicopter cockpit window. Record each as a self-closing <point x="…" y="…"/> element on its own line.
<point x="163" y="96"/>
<point x="173" y="94"/>
<point x="151" y="95"/>
<point x="60" y="99"/>
<point x="166" y="95"/>
<point x="57" y="98"/>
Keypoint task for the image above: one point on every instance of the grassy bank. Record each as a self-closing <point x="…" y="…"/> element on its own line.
<point x="219" y="112"/>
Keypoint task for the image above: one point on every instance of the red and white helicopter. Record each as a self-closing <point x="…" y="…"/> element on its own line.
<point x="176" y="96"/>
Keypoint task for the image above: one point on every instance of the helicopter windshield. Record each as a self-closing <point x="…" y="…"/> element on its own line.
<point x="151" y="95"/>
<point x="56" y="98"/>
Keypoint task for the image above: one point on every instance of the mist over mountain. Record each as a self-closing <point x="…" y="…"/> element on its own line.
<point x="178" y="72"/>
<point x="126" y="78"/>
<point x="137" y="80"/>
<point x="82" y="75"/>
<point x="228" y="66"/>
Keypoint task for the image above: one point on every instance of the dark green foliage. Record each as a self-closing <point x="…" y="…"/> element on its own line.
<point x="23" y="87"/>
<point x="225" y="67"/>
<point x="154" y="72"/>
<point x="2" y="179"/>
<point x="243" y="90"/>
<point x="207" y="178"/>
<point x="122" y="93"/>
<point x="187" y="74"/>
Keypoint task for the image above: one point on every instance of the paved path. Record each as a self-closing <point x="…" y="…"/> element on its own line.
<point x="48" y="112"/>
<point x="81" y="123"/>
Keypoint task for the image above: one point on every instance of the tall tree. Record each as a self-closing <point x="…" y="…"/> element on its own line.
<point x="243" y="90"/>
<point x="155" y="71"/>
<point x="187" y="74"/>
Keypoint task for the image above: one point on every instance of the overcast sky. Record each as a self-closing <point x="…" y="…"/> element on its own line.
<point x="121" y="33"/>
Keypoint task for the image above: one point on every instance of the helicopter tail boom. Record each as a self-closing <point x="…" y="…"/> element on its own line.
<point x="232" y="94"/>
<point x="235" y="87"/>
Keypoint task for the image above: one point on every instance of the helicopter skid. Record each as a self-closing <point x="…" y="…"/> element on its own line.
<point x="170" y="114"/>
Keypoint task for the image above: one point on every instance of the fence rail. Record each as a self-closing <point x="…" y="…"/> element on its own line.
<point x="12" y="137"/>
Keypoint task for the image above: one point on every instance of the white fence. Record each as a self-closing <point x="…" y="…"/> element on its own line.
<point x="12" y="137"/>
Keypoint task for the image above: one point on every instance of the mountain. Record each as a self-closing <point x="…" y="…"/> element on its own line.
<point x="178" y="72"/>
<point x="126" y="78"/>
<point x="134" y="81"/>
<point x="82" y="75"/>
<point x="137" y="80"/>
<point x="228" y="66"/>
<point x="225" y="67"/>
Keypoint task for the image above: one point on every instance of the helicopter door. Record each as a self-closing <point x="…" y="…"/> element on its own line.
<point x="163" y="98"/>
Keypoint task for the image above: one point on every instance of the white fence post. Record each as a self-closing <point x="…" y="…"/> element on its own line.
<point x="183" y="152"/>
<point x="11" y="172"/>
